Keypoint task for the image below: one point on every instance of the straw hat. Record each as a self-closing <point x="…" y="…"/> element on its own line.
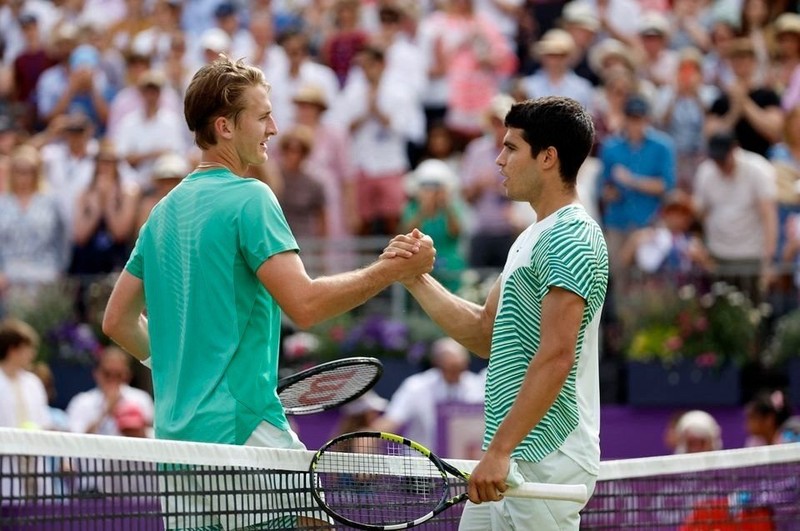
<point x="170" y="166"/>
<point x="498" y="107"/>
<point x="580" y="14"/>
<point x="743" y="46"/>
<point x="555" y="42"/>
<point x="787" y="23"/>
<point x="312" y="94"/>
<point x="605" y="50"/>
<point x="654" y="23"/>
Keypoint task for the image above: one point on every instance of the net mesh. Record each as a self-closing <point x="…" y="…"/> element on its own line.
<point x="55" y="481"/>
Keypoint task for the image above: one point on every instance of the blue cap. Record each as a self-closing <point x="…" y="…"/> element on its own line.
<point x="225" y="9"/>
<point x="637" y="106"/>
<point x="84" y="56"/>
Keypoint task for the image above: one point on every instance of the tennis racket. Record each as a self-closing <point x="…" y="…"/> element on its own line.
<point x="328" y="385"/>
<point x="374" y="480"/>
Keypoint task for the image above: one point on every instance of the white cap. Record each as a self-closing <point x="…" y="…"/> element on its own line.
<point x="369" y="401"/>
<point x="431" y="172"/>
<point x="170" y="166"/>
<point x="699" y="424"/>
<point x="581" y="14"/>
<point x="216" y="40"/>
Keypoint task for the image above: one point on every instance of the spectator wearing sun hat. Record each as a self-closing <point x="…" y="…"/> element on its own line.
<point x="747" y="106"/>
<point x="581" y="22"/>
<point x="658" y="63"/>
<point x="491" y="236"/>
<point x="680" y="110"/>
<point x="148" y="133"/>
<point x="670" y="244"/>
<point x="168" y="171"/>
<point x="787" y="36"/>
<point x="556" y="52"/>
<point x="330" y="160"/>
<point x="435" y="208"/>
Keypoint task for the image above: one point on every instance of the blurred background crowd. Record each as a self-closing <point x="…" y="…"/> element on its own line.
<point x="390" y="116"/>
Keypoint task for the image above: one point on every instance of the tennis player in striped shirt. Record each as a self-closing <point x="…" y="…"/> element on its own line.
<point x="538" y="327"/>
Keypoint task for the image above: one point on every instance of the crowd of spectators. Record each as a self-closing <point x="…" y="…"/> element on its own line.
<point x="696" y="105"/>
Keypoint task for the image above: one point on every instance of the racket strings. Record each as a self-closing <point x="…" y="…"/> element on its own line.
<point x="378" y="482"/>
<point x="328" y="389"/>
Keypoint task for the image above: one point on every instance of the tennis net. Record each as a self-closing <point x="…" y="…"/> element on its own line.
<point x="749" y="489"/>
<point x="57" y="481"/>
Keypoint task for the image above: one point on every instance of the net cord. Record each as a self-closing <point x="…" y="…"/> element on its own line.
<point x="59" y="444"/>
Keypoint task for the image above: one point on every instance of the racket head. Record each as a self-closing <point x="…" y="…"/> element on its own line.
<point x="378" y="481"/>
<point x="328" y="385"/>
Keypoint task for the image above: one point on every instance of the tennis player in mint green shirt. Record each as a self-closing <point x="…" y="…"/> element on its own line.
<point x="214" y="267"/>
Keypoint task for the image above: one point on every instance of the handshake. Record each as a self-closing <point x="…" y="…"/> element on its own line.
<point x="409" y="255"/>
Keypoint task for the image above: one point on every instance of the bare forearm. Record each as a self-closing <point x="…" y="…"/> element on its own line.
<point x="768" y="123"/>
<point x="133" y="337"/>
<point x="464" y="321"/>
<point x="770" y="220"/>
<point x="334" y="295"/>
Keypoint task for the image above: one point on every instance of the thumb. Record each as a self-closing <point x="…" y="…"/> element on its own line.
<point x="416" y="233"/>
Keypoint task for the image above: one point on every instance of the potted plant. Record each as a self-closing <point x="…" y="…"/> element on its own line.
<point x="783" y="350"/>
<point x="686" y="347"/>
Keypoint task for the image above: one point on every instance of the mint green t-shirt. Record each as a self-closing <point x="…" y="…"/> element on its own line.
<point x="214" y="329"/>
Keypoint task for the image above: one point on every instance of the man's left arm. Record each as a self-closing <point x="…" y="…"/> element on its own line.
<point x="123" y="320"/>
<point x="562" y="314"/>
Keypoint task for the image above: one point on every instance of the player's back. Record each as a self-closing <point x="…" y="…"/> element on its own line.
<point x="209" y="316"/>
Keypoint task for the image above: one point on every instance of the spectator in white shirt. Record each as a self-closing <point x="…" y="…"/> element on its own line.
<point x="382" y="117"/>
<point x="94" y="411"/>
<point x="146" y="134"/>
<point x="413" y="406"/>
<point x="24" y="403"/>
<point x="556" y="51"/>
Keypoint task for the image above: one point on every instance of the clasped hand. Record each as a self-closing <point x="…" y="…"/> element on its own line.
<point x="417" y="251"/>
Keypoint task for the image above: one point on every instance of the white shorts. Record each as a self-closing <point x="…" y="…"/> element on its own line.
<point x="190" y="503"/>
<point x="524" y="514"/>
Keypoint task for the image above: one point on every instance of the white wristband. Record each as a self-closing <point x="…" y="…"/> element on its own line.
<point x="147" y="363"/>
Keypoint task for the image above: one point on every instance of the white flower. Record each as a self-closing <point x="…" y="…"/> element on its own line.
<point x="687" y="292"/>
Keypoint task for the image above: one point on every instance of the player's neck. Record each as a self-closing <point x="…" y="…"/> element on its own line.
<point x="547" y="204"/>
<point x="215" y="160"/>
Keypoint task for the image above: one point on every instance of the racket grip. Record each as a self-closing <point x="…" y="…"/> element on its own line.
<point x="549" y="491"/>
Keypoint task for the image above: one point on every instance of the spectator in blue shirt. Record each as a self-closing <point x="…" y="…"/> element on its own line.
<point x="638" y="168"/>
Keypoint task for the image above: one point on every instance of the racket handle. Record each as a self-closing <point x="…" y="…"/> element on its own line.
<point x="549" y="491"/>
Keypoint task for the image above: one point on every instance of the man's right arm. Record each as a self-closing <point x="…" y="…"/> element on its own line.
<point x="310" y="301"/>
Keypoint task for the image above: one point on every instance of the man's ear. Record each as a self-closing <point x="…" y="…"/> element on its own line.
<point x="223" y="127"/>
<point x="549" y="158"/>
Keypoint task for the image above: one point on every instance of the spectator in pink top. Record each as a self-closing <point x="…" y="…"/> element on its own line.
<point x="472" y="56"/>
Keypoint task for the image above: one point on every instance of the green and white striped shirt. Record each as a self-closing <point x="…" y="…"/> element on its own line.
<point x="566" y="250"/>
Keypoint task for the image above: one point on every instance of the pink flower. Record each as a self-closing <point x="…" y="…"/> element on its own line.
<point x="338" y="333"/>
<point x="701" y="324"/>
<point x="674" y="343"/>
<point x="706" y="359"/>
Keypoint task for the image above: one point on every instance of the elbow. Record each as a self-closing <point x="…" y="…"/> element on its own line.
<point x="111" y="322"/>
<point x="303" y="318"/>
